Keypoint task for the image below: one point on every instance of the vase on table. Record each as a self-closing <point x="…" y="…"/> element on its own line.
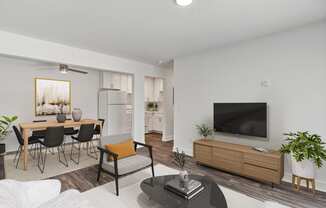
<point x="61" y="117"/>
<point x="77" y="114"/>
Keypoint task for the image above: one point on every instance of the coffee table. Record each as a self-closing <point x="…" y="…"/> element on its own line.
<point x="210" y="197"/>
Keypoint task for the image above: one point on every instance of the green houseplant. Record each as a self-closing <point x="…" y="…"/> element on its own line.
<point x="307" y="152"/>
<point x="152" y="106"/>
<point x="5" y="124"/>
<point x="204" y="130"/>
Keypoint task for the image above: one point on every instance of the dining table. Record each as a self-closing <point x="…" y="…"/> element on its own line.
<point x="27" y="127"/>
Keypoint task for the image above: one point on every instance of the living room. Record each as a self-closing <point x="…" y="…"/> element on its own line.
<point x="212" y="56"/>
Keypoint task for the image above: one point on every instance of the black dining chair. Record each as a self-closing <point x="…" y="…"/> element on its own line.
<point x="97" y="131"/>
<point x="53" y="139"/>
<point x="98" y="127"/>
<point x="69" y="131"/>
<point x="40" y="134"/>
<point x="85" y="135"/>
<point x="31" y="141"/>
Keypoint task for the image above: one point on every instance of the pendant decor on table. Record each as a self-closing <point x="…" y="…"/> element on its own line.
<point x="77" y="114"/>
<point x="61" y="116"/>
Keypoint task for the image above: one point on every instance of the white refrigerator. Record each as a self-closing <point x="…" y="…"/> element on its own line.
<point x="116" y="108"/>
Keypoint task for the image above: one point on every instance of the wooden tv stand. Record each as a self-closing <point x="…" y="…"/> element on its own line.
<point x="240" y="159"/>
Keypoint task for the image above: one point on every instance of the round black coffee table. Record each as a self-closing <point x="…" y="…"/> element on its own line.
<point x="210" y="197"/>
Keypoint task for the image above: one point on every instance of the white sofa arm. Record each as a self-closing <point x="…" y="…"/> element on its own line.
<point x="68" y="199"/>
<point x="31" y="194"/>
<point x="38" y="192"/>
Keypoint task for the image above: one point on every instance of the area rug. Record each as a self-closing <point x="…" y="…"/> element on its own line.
<point x="52" y="167"/>
<point x="132" y="196"/>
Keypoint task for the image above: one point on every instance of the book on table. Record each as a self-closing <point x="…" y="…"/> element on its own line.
<point x="187" y="190"/>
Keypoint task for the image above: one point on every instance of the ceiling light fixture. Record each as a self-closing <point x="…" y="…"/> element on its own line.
<point x="184" y="2"/>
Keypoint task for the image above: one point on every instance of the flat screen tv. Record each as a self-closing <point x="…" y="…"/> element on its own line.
<point x="241" y="118"/>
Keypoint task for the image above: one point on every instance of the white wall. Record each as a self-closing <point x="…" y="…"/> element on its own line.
<point x="294" y="62"/>
<point x="30" y="48"/>
<point x="17" y="90"/>
<point x="168" y="103"/>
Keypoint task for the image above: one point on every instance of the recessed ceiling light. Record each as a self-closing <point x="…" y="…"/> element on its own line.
<point x="183" y="2"/>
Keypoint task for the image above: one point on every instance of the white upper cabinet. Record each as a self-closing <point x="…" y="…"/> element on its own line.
<point x="161" y="85"/>
<point x="114" y="80"/>
<point x="129" y="84"/>
<point x="153" y="89"/>
<point x="111" y="80"/>
<point x="124" y="82"/>
<point x="157" y="87"/>
<point x="149" y="86"/>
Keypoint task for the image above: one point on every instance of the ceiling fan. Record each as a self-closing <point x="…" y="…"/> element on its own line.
<point x="63" y="68"/>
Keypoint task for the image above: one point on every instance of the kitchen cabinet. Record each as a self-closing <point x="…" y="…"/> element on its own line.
<point x="153" y="89"/>
<point x="149" y="89"/>
<point x="114" y="80"/>
<point x="158" y="123"/>
<point x="111" y="80"/>
<point x="129" y="84"/>
<point x="124" y="82"/>
<point x="153" y="122"/>
<point x="156" y="90"/>
<point x="160" y="85"/>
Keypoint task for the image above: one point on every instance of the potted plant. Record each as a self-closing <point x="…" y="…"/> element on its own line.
<point x="5" y="124"/>
<point x="307" y="152"/>
<point x="152" y="106"/>
<point x="204" y="130"/>
<point x="180" y="161"/>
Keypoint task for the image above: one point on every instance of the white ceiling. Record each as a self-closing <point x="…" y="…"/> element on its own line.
<point x="153" y="30"/>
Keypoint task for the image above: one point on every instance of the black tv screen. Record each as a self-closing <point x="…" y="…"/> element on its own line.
<point x="241" y="118"/>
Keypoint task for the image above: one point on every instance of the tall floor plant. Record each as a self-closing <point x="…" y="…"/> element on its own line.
<point x="5" y="124"/>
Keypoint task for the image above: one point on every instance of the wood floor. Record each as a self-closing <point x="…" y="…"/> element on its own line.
<point x="85" y="179"/>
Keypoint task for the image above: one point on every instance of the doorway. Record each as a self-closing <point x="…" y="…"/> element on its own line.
<point x="159" y="108"/>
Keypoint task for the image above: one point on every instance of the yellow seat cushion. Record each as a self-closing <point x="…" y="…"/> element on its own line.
<point x="123" y="149"/>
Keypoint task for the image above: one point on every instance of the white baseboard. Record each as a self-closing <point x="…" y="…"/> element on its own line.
<point x="320" y="185"/>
